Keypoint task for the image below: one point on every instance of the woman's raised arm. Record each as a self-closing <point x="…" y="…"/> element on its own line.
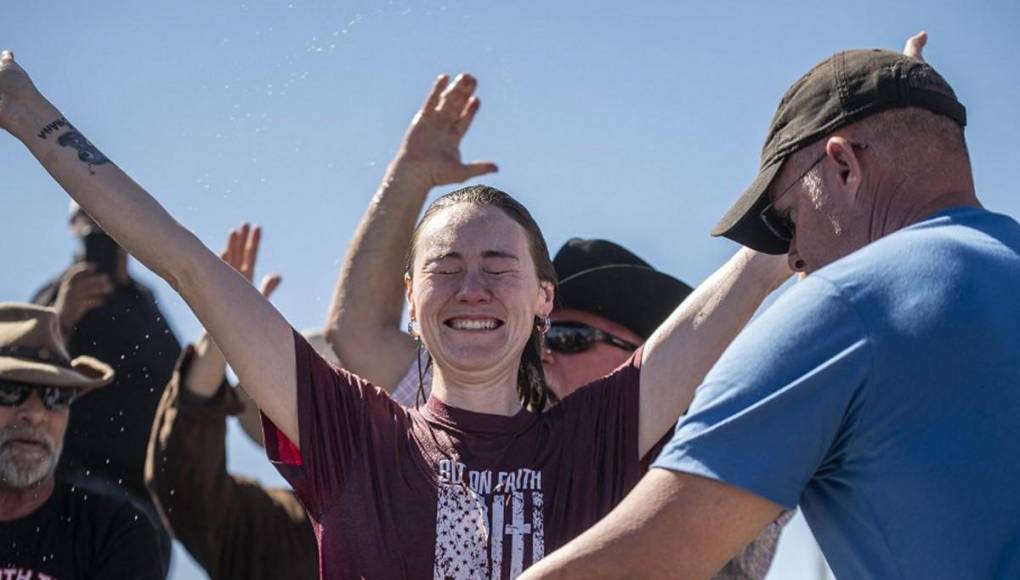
<point x="255" y="339"/>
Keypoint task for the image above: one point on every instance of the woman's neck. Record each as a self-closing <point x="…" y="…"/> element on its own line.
<point x="494" y="395"/>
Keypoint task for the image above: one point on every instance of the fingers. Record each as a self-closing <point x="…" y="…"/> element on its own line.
<point x="79" y="270"/>
<point x="915" y="45"/>
<point x="251" y="252"/>
<point x="478" y="168"/>
<point x="243" y="249"/>
<point x="269" y="284"/>
<point x="432" y="100"/>
<point x="234" y="250"/>
<point x="454" y="100"/>
<point x="81" y="277"/>
<point x="467" y="115"/>
<point x="95" y="284"/>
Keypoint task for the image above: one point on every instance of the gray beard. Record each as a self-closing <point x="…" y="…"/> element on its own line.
<point x="19" y="472"/>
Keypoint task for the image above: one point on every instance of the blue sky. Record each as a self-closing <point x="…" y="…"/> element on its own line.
<point x="639" y="123"/>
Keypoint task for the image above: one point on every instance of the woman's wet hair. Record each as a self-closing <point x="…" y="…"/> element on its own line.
<point x="531" y="385"/>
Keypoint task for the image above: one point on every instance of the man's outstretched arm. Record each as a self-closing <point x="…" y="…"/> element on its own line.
<point x="363" y="324"/>
<point x="672" y="525"/>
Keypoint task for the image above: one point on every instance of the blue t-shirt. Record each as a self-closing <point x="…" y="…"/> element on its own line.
<point x="882" y="395"/>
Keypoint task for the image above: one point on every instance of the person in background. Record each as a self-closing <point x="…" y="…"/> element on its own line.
<point x="50" y="527"/>
<point x="107" y="314"/>
<point x="879" y="393"/>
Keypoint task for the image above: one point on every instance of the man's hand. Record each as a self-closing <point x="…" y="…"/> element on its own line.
<point x="241" y="252"/>
<point x="431" y="146"/>
<point x="81" y="290"/>
<point x="915" y="45"/>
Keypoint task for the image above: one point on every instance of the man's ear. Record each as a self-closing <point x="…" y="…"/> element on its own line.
<point x="849" y="171"/>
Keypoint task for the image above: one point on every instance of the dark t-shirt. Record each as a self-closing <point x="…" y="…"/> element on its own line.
<point x="79" y="533"/>
<point x="109" y="428"/>
<point x="442" y="492"/>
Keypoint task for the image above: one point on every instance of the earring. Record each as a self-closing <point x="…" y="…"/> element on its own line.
<point x="543" y="324"/>
<point x="412" y="329"/>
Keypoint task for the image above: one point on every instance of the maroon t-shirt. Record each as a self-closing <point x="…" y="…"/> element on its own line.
<point x="442" y="492"/>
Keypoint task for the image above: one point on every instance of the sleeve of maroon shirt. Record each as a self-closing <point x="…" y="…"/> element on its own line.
<point x="337" y="414"/>
<point x="601" y="422"/>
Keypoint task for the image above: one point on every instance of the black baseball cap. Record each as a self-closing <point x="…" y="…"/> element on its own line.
<point x="838" y="91"/>
<point x="606" y="279"/>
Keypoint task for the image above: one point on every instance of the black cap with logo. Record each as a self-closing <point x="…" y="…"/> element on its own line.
<point x="838" y="91"/>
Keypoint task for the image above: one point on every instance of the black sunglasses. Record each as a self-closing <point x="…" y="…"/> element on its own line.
<point x="13" y="394"/>
<point x="574" y="337"/>
<point x="781" y="225"/>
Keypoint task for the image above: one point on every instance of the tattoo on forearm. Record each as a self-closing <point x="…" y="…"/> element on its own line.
<point x="87" y="152"/>
<point x="54" y="127"/>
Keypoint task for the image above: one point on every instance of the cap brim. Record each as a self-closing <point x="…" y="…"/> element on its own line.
<point x="636" y="297"/>
<point x="742" y="223"/>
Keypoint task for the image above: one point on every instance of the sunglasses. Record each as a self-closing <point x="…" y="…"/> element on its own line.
<point x="575" y="337"/>
<point x="780" y="224"/>
<point x="13" y="394"/>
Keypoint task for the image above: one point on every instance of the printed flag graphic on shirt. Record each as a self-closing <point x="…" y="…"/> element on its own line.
<point x="488" y="526"/>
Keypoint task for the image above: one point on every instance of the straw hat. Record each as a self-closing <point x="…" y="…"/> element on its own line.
<point x="32" y="351"/>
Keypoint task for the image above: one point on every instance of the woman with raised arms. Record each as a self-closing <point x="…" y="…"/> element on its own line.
<point x="482" y="480"/>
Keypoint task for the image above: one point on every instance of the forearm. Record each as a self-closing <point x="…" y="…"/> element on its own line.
<point x="364" y="318"/>
<point x="682" y="351"/>
<point x="105" y="191"/>
<point x="254" y="337"/>
<point x="207" y="373"/>
<point x="672" y="525"/>
<point x="249" y="417"/>
<point x="207" y="370"/>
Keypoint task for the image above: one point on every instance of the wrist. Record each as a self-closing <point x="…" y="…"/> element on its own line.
<point x="409" y="173"/>
<point x="772" y="270"/>
<point x="29" y="116"/>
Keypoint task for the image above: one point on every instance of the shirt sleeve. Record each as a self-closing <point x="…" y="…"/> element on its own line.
<point x="779" y="407"/>
<point x="602" y="419"/>
<point x="339" y="416"/>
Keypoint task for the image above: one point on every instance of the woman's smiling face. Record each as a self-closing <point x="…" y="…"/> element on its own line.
<point x="475" y="292"/>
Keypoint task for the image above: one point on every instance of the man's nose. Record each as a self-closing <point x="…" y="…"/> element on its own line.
<point x="32" y="410"/>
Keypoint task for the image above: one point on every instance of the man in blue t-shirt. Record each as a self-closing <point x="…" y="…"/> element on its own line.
<point x="881" y="393"/>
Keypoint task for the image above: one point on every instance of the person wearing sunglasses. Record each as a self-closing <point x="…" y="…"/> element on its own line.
<point x="610" y="301"/>
<point x="879" y="393"/>
<point x="49" y="527"/>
